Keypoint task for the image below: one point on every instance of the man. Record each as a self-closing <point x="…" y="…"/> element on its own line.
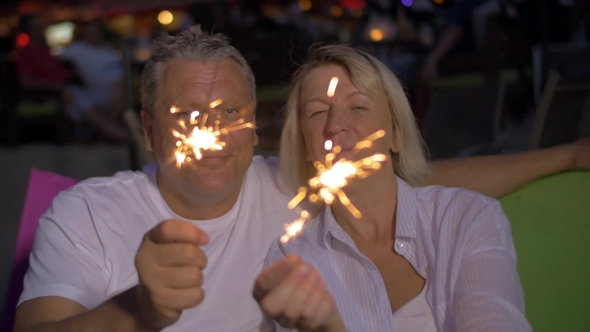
<point x="173" y="248"/>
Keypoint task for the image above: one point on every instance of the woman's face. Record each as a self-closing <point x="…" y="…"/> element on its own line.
<point x="346" y="118"/>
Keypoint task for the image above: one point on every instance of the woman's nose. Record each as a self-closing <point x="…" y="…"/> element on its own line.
<point x="336" y="123"/>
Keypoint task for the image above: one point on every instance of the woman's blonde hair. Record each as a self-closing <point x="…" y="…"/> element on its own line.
<point x="370" y="76"/>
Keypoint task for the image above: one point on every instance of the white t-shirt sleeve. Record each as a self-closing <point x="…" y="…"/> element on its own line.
<point x="68" y="258"/>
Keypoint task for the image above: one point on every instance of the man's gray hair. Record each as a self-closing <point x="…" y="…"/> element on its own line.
<point x="191" y="44"/>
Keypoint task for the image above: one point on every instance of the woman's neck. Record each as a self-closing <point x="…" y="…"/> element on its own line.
<point x="376" y="198"/>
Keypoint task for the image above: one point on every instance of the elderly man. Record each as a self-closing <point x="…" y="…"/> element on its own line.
<point x="178" y="248"/>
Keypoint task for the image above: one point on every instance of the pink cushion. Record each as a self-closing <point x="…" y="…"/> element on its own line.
<point x="43" y="187"/>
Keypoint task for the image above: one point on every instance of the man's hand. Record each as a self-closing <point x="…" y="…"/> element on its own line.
<point x="170" y="264"/>
<point x="294" y="294"/>
<point x="581" y="154"/>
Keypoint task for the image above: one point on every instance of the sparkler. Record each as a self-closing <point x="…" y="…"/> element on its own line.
<point x="331" y="177"/>
<point x="202" y="137"/>
<point x="295" y="227"/>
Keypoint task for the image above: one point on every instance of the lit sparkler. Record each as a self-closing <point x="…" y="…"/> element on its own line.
<point x="202" y="137"/>
<point x="332" y="177"/>
<point x="292" y="229"/>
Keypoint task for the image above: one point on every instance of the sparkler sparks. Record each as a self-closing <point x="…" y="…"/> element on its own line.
<point x="331" y="177"/>
<point x="332" y="86"/>
<point x="202" y="137"/>
<point x="295" y="227"/>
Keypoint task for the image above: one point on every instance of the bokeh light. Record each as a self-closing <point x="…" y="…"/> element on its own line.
<point x="376" y="34"/>
<point x="165" y="17"/>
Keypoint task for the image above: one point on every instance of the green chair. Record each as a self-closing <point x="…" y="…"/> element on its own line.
<point x="551" y="229"/>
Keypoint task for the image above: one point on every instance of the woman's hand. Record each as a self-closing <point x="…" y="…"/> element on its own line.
<point x="294" y="294"/>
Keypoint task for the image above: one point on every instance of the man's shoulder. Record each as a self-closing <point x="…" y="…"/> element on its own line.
<point x="266" y="171"/>
<point x="123" y="183"/>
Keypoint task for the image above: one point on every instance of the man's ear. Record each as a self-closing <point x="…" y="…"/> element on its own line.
<point x="148" y="134"/>
<point x="254" y="129"/>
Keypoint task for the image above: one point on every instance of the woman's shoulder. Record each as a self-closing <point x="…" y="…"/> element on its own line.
<point x="462" y="208"/>
<point x="443" y="197"/>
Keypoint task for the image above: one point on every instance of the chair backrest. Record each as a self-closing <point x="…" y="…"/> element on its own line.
<point x="462" y="116"/>
<point x="43" y="187"/>
<point x="550" y="222"/>
<point x="563" y="111"/>
<point x="142" y="155"/>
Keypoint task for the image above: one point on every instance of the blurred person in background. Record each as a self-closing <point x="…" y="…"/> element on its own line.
<point x="37" y="69"/>
<point x="543" y="21"/>
<point x="100" y="101"/>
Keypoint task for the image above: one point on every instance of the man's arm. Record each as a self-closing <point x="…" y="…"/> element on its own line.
<point x="53" y="313"/>
<point x="499" y="175"/>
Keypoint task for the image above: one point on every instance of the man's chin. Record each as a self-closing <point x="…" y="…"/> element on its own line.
<point x="213" y="161"/>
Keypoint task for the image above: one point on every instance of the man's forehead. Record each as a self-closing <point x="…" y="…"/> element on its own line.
<point x="192" y="80"/>
<point x="202" y="71"/>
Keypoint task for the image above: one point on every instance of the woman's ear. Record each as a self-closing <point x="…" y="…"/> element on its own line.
<point x="394" y="146"/>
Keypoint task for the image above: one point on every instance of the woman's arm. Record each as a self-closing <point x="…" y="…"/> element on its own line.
<point x="499" y="175"/>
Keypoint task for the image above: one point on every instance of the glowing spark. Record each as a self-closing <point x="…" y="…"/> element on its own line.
<point x="297" y="199"/>
<point x="332" y="86"/>
<point x="331" y="178"/>
<point x="292" y="229"/>
<point x="367" y="142"/>
<point x="216" y="103"/>
<point x="202" y="137"/>
<point x="194" y="116"/>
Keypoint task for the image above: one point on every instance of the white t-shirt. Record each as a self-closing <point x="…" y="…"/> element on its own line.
<point x="86" y="243"/>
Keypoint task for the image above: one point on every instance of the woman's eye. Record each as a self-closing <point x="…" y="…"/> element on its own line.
<point x="318" y="112"/>
<point x="231" y="111"/>
<point x="360" y="108"/>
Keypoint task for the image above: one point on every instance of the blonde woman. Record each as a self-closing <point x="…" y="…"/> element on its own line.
<point x="420" y="258"/>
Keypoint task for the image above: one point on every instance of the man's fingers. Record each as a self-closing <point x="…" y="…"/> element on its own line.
<point x="179" y="299"/>
<point x="274" y="274"/>
<point x="183" y="277"/>
<point x="180" y="254"/>
<point x="171" y="231"/>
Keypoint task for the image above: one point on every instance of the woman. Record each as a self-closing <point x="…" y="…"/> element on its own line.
<point x="418" y="259"/>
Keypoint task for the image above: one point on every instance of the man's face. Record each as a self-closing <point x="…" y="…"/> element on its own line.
<point x="189" y="86"/>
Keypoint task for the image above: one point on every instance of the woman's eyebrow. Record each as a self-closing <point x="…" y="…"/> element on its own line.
<point x="355" y="93"/>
